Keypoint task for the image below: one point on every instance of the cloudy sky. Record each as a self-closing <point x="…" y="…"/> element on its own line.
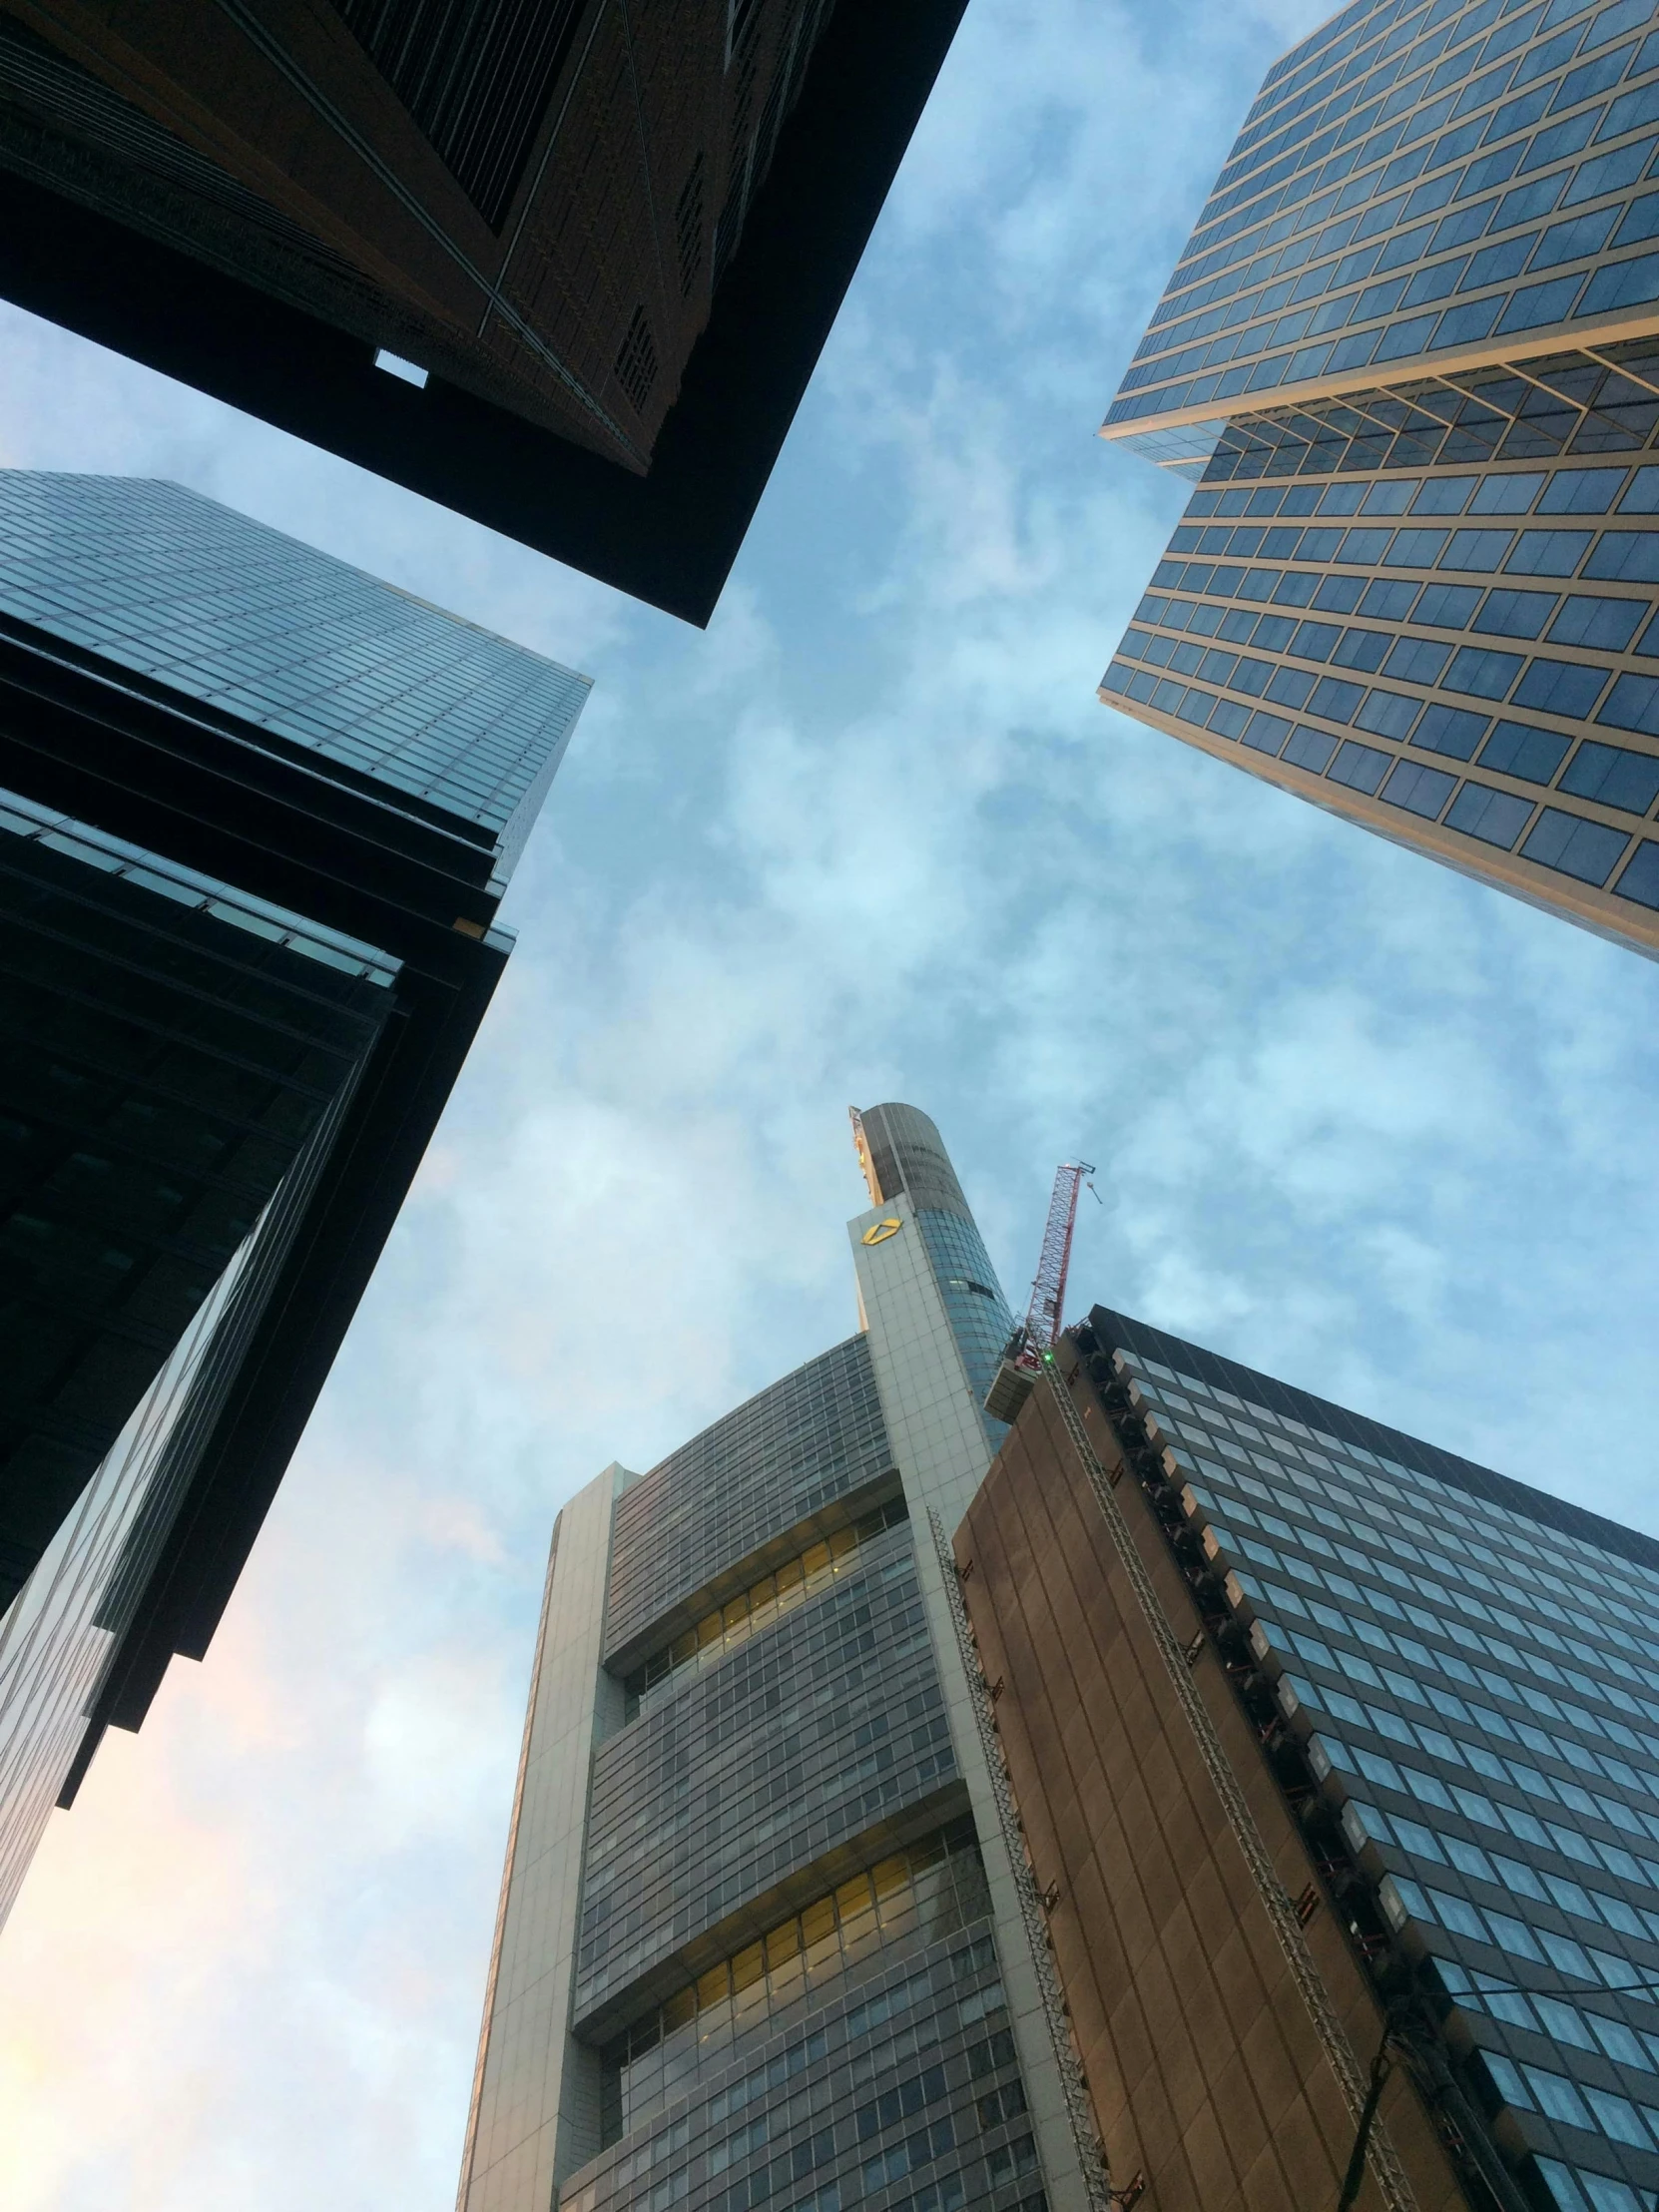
<point x="1358" y="1122"/>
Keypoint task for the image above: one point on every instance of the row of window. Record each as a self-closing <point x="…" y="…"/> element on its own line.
<point x="1585" y="850"/>
<point x="1429" y="1494"/>
<point x="1576" y="2027"/>
<point x="924" y="1894"/>
<point x="1216" y="246"/>
<point x="1611" y="556"/>
<point x="1539" y="83"/>
<point x="1360" y="287"/>
<point x="757" y="1472"/>
<point x="764" y="1601"/>
<point x="1468" y="419"/>
<point x="1494" y="492"/>
<point x="1520" y="1939"/>
<point x="1575" y="2190"/>
<point x="1640" y="1781"/>
<point x="1519" y="1678"/>
<point x="1296" y="117"/>
<point x="1571" y="1842"/>
<point x="1468" y="1714"/>
<point x="1517" y="1878"/>
<point x="1517" y="1773"/>
<point x="1611" y="774"/>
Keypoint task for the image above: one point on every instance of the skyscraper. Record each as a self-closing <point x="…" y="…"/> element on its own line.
<point x="599" y="249"/>
<point x="1333" y="1748"/>
<point x="767" y="1932"/>
<point x="1410" y="358"/>
<point x="256" y="812"/>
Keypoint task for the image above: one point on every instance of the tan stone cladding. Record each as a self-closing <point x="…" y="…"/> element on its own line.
<point x="1205" y="2066"/>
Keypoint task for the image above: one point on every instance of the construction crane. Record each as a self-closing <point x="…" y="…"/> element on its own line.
<point x="1044" y="1316"/>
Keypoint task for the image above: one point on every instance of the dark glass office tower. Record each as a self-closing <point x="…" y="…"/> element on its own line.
<point x="257" y="812"/>
<point x="768" y="1937"/>
<point x="600" y="247"/>
<point x="1332" y="1743"/>
<point x="1411" y="358"/>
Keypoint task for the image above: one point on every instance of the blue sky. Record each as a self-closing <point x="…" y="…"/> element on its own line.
<point x="1377" y="1129"/>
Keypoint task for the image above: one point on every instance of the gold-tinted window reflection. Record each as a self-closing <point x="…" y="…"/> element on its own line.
<point x="934" y="1887"/>
<point x="720" y="1631"/>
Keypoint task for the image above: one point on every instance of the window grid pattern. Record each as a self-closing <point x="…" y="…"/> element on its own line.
<point x="795" y="1447"/>
<point x="155" y="578"/>
<point x="932" y="1890"/>
<point x="805" y="1737"/>
<point x="1473" y="173"/>
<point x="894" y="2086"/>
<point x="1472" y="647"/>
<point x="1490" y="1707"/>
<point x="757" y="1607"/>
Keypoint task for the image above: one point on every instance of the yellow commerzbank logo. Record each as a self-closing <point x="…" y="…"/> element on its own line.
<point x="883" y="1229"/>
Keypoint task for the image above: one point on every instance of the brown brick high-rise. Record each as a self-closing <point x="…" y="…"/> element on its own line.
<point x="1280" y="1694"/>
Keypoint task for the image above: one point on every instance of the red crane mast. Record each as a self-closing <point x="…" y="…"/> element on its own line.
<point x="1034" y="1339"/>
<point x="1044" y="1316"/>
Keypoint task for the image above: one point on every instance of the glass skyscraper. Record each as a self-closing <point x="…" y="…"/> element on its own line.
<point x="1410" y="358"/>
<point x="257" y="811"/>
<point x="1430" y="1693"/>
<point x="768" y="1936"/>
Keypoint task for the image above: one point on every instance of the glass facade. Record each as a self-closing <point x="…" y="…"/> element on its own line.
<point x="178" y="1054"/>
<point x="211" y="1102"/>
<point x="848" y="2041"/>
<point x="155" y="578"/>
<point x="1431" y="537"/>
<point x="1470" y="1671"/>
<point x="754" y="1959"/>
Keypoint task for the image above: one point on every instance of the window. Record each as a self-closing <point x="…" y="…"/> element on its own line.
<point x="1290" y="687"/>
<point x="1629" y="556"/>
<point x="1362" y="649"/>
<point x="1614" y="776"/>
<point x="1334" y="699"/>
<point x="1507" y="494"/>
<point x="1586" y="850"/>
<point x="1494" y="816"/>
<point x="1567" y="687"/>
<point x="1633" y="704"/>
<point x="1452" y="731"/>
<point x="1517" y="749"/>
<point x="1266" y="732"/>
<point x="1515" y="614"/>
<point x="1387" y="714"/>
<point x="1549" y="552"/>
<point x="1360" y="767"/>
<point x="1446" y="606"/>
<point x="1312" y="748"/>
<point x="1316" y="641"/>
<point x="1640" y="880"/>
<point x="1420" y="790"/>
<point x="1340" y="595"/>
<point x="1414" y="548"/>
<point x="1580" y="491"/>
<point x="1609" y="624"/>
<point x="1479" y="550"/>
<point x="1387" y="600"/>
<point x="1417" y="659"/>
<point x="1485" y="673"/>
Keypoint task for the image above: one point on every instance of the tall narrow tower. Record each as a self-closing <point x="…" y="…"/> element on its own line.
<point x="767" y="1934"/>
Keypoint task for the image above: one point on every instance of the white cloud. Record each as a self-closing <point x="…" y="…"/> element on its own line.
<point x="1362" y="1122"/>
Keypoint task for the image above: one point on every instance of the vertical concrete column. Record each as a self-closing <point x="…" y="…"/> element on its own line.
<point x="535" y="2097"/>
<point x="942" y="1450"/>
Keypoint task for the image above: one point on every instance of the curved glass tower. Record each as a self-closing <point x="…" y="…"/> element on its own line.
<point x="766" y="1935"/>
